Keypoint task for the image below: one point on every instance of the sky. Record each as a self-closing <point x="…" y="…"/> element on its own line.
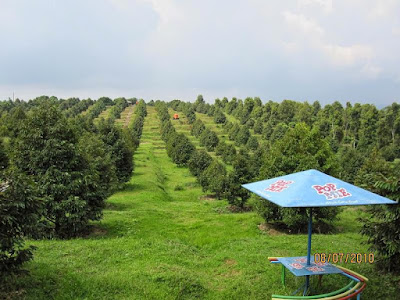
<point x="304" y="50"/>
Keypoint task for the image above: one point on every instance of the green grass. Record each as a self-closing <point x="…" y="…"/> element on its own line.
<point x="126" y="116"/>
<point x="182" y="126"/>
<point x="158" y="243"/>
<point x="104" y="114"/>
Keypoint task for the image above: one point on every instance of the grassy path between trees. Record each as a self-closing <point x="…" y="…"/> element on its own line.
<point x="160" y="239"/>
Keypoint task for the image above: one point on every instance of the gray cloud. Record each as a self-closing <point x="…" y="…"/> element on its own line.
<point x="302" y="50"/>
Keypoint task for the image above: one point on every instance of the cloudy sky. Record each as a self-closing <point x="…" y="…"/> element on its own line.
<point x="346" y="50"/>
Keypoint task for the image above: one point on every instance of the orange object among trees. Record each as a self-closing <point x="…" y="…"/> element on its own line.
<point x="176" y="117"/>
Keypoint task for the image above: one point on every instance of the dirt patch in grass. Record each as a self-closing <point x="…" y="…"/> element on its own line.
<point x="230" y="262"/>
<point x="269" y="229"/>
<point x="237" y="209"/>
<point x="208" y="198"/>
<point x="97" y="231"/>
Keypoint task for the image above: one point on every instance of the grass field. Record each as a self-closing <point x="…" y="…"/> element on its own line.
<point x="126" y="116"/>
<point x="161" y="239"/>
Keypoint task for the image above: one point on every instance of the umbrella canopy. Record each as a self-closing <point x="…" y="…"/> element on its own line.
<point x="313" y="188"/>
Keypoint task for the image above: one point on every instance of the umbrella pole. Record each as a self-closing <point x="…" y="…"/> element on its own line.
<point x="309" y="237"/>
<point x="307" y="284"/>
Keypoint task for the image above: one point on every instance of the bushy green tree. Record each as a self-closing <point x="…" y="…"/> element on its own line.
<point x="349" y="162"/>
<point x="190" y="115"/>
<point x="121" y="153"/>
<point x="243" y="136"/>
<point x="241" y="174"/>
<point x="382" y="226"/>
<point x="258" y="127"/>
<point x="46" y="151"/>
<point x="166" y="130"/>
<point x="19" y="212"/>
<point x="233" y="132"/>
<point x="198" y="162"/>
<point x="252" y="143"/>
<point x="229" y="154"/>
<point x="300" y="149"/>
<point x="219" y="117"/>
<point x="278" y="132"/>
<point x="197" y="128"/>
<point x="179" y="148"/>
<point x="220" y="149"/>
<point x="213" y="179"/>
<point x="209" y="139"/>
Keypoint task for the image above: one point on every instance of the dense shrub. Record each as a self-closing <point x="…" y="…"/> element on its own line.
<point x="197" y="128"/>
<point x="47" y="152"/>
<point x="198" y="162"/>
<point x="233" y="132"/>
<point x="219" y="117"/>
<point x="382" y="225"/>
<point x="309" y="151"/>
<point x="136" y="127"/>
<point x="252" y="143"/>
<point x="100" y="105"/>
<point x="119" y="105"/>
<point x="190" y="115"/>
<point x="241" y="174"/>
<point x="179" y="148"/>
<point x="209" y="139"/>
<point x="19" y="212"/>
<point x="229" y="154"/>
<point x="78" y="108"/>
<point x="220" y="148"/>
<point x="121" y="153"/>
<point x="258" y="127"/>
<point x="242" y="136"/>
<point x="213" y="179"/>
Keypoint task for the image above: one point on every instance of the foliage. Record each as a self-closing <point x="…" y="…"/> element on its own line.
<point x="233" y="132"/>
<point x="119" y="105"/>
<point x="19" y="211"/>
<point x="309" y="151"/>
<point x="209" y="139"/>
<point x="213" y="179"/>
<point x="198" y="162"/>
<point x="258" y="126"/>
<point x="197" y="128"/>
<point x="252" y="143"/>
<point x="229" y="154"/>
<point x="241" y="174"/>
<point x="219" y="117"/>
<point x="46" y="150"/>
<point x="100" y="105"/>
<point x="190" y="115"/>
<point x="382" y="225"/>
<point x="179" y="148"/>
<point x="121" y="153"/>
<point x="242" y="136"/>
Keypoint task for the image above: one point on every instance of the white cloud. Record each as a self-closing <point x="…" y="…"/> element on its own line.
<point x="396" y="31"/>
<point x="371" y="71"/>
<point x="346" y="56"/>
<point x="166" y="9"/>
<point x="383" y="8"/>
<point x="307" y="25"/>
<point x="326" y="5"/>
<point x="290" y="47"/>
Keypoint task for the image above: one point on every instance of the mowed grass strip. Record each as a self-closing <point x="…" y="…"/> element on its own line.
<point x="182" y="126"/>
<point x="104" y="114"/>
<point x="156" y="242"/>
<point x="126" y="116"/>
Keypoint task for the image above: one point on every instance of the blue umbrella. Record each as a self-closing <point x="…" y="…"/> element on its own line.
<point x="313" y="188"/>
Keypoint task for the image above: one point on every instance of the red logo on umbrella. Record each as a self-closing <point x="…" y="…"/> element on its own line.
<point x="330" y="191"/>
<point x="297" y="266"/>
<point x="279" y="186"/>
